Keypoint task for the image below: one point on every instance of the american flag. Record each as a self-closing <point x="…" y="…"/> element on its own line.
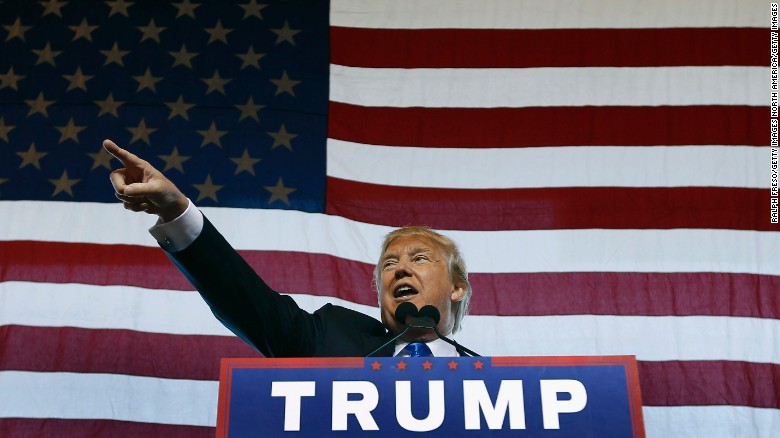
<point x="603" y="164"/>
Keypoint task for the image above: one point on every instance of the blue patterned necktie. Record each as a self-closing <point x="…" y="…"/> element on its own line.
<point x="418" y="349"/>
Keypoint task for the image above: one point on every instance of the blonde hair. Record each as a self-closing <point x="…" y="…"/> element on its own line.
<point x="459" y="276"/>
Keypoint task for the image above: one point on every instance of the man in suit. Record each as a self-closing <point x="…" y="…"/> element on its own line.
<point x="416" y="265"/>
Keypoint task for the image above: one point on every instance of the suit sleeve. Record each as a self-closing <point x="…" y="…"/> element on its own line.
<point x="272" y="323"/>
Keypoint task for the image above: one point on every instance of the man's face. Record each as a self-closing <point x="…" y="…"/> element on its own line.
<point x="415" y="269"/>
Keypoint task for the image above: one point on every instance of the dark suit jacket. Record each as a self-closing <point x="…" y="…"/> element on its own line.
<point x="272" y="323"/>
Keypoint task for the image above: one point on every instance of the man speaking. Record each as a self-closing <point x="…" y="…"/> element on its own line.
<point x="417" y="265"/>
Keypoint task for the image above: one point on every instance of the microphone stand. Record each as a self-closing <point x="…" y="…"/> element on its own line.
<point x="459" y="348"/>
<point x="390" y="341"/>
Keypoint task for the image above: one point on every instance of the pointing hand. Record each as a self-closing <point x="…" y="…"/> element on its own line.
<point x="141" y="187"/>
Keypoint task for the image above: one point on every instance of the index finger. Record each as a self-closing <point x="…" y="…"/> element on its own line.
<point x="122" y="155"/>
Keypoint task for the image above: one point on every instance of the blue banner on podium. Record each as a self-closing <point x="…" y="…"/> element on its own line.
<point x="477" y="396"/>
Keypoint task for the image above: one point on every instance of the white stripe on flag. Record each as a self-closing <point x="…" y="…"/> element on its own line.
<point x="534" y="14"/>
<point x="75" y="222"/>
<point x="545" y="87"/>
<point x="575" y="166"/>
<point x="650" y="338"/>
<point x="711" y="422"/>
<point x="106" y="307"/>
<point x="108" y="397"/>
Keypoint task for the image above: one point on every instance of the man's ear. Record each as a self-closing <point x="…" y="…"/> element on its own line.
<point x="457" y="294"/>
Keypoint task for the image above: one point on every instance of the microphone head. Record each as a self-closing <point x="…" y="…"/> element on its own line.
<point x="430" y="312"/>
<point x="405" y="310"/>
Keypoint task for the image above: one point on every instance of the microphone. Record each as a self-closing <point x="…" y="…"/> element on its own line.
<point x="405" y="310"/>
<point x="432" y="312"/>
<point x="426" y="318"/>
<point x="418" y="319"/>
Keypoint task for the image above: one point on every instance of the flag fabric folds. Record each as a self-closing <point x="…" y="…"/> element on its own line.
<point x="603" y="165"/>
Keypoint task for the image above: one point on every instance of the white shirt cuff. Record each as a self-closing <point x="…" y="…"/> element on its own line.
<point x="179" y="233"/>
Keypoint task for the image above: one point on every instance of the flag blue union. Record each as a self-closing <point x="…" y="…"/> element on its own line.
<point x="231" y="102"/>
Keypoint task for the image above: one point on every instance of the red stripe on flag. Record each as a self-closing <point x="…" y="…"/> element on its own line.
<point x="706" y="383"/>
<point x="522" y="48"/>
<point x="148" y="267"/>
<point x="78" y="350"/>
<point x="55" y="427"/>
<point x="673" y="383"/>
<point x="551" y="293"/>
<point x="626" y="293"/>
<point x="55" y="262"/>
<point x="551" y="208"/>
<point x="549" y="126"/>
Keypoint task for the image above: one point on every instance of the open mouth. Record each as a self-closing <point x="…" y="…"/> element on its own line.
<point x="404" y="291"/>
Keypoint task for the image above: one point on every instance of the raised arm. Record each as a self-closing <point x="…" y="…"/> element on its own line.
<point x="237" y="296"/>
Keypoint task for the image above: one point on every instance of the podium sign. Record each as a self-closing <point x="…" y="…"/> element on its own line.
<point x="476" y="396"/>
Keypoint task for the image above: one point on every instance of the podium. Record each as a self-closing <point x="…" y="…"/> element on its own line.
<point x="444" y="397"/>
